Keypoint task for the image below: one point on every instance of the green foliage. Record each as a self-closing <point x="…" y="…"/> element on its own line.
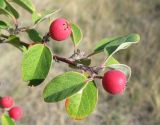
<point x="26" y="4"/>
<point x="83" y="103"/>
<point x="3" y="25"/>
<point x="79" y="89"/>
<point x="101" y="44"/>
<point x="7" y="9"/>
<point x="6" y="13"/>
<point x="76" y="34"/>
<point x="121" y="43"/>
<point x="36" y="63"/>
<point x="6" y="120"/>
<point x="12" y="10"/>
<point x="63" y="86"/>
<point x="15" y="41"/>
<point x="34" y="35"/>
<point x="38" y="18"/>
<point x="113" y="45"/>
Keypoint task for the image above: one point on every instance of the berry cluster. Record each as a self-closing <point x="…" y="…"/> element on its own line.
<point x="114" y="81"/>
<point x="14" y="112"/>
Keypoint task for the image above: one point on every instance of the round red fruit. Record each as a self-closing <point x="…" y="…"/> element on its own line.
<point x="60" y="29"/>
<point x="6" y="102"/>
<point x="114" y="82"/>
<point x="16" y="113"/>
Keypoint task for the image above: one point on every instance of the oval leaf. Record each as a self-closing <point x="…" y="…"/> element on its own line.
<point x="11" y="9"/>
<point x="101" y="45"/>
<point x="113" y="44"/>
<point x="76" y="34"/>
<point x="36" y="64"/>
<point x="63" y="86"/>
<point x="6" y="120"/>
<point x="26" y="4"/>
<point x="122" y="67"/>
<point x="82" y="104"/>
<point x="6" y="13"/>
<point x="34" y="35"/>
<point x="121" y="43"/>
<point x="3" y="25"/>
<point x="15" y="41"/>
<point x="38" y="18"/>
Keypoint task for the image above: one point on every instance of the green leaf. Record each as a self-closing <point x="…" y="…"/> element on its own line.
<point x="111" y="61"/>
<point x="3" y="25"/>
<point x="112" y="45"/>
<point x="76" y="34"/>
<point x="34" y="35"/>
<point x="121" y="43"/>
<point x="63" y="86"/>
<point x="6" y="13"/>
<point x="83" y="103"/>
<point x="15" y="41"/>
<point x="122" y="67"/>
<point x="26" y="4"/>
<point x="12" y="10"/>
<point x="36" y="64"/>
<point x="6" y="120"/>
<point x="35" y="82"/>
<point x="40" y="18"/>
<point x="2" y="4"/>
<point x="101" y="44"/>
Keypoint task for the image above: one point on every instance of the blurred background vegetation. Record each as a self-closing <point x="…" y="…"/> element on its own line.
<point x="140" y="105"/>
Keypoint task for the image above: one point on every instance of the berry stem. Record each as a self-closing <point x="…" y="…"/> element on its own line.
<point x="91" y="70"/>
<point x="58" y="58"/>
<point x="46" y="38"/>
<point x="98" y="77"/>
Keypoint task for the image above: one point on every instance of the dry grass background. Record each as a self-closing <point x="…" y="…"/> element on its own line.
<point x="140" y="105"/>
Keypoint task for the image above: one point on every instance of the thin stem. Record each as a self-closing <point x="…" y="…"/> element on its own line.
<point x="92" y="70"/>
<point x="98" y="77"/>
<point x="46" y="38"/>
<point x="57" y="58"/>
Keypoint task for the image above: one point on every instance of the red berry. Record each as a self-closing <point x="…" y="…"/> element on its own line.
<point x="114" y="81"/>
<point x="60" y="29"/>
<point x="16" y="113"/>
<point x="7" y="102"/>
